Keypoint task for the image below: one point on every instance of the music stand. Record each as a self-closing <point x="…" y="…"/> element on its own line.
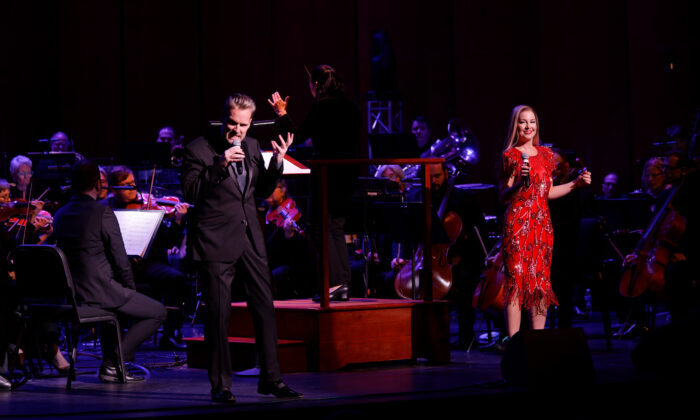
<point x="624" y="213"/>
<point x="52" y="170"/>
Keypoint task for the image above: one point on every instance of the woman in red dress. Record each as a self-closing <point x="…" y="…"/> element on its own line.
<point x="527" y="227"/>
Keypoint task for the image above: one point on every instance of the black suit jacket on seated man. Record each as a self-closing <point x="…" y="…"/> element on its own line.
<point x="225" y="235"/>
<point x="89" y="235"/>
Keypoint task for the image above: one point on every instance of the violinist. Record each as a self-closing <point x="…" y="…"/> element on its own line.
<point x="21" y="171"/>
<point x="40" y="228"/>
<point x="288" y="249"/>
<point x="154" y="274"/>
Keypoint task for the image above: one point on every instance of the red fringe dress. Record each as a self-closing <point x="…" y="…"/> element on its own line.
<point x="527" y="232"/>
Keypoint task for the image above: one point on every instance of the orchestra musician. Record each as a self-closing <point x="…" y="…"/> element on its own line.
<point x="154" y="275"/>
<point x="465" y="255"/>
<point x="287" y="246"/>
<point x="221" y="175"/>
<point x="21" y="172"/>
<point x="423" y="134"/>
<point x="104" y="183"/>
<point x="525" y="186"/>
<point x="333" y="125"/>
<point x="89" y="235"/>
<point x="677" y="234"/>
<point x="610" y="188"/>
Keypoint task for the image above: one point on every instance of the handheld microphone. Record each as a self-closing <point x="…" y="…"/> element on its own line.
<point x="239" y="164"/>
<point x="526" y="161"/>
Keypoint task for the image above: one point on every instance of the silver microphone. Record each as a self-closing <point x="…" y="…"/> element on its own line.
<point x="239" y="164"/>
<point x="526" y="161"/>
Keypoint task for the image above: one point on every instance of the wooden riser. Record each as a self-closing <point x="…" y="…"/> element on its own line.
<point x="292" y="354"/>
<point x="358" y="331"/>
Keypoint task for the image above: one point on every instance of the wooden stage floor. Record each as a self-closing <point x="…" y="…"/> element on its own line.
<point x="469" y="385"/>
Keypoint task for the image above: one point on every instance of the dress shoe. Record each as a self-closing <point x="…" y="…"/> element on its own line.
<point x="60" y="363"/>
<point x="171" y="343"/>
<point x="223" y="396"/>
<point x="109" y="374"/>
<point x="342" y="293"/>
<point x="5" y="384"/>
<point x="279" y="389"/>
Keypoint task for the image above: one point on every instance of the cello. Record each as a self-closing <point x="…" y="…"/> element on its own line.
<point x="488" y="296"/>
<point x="408" y="277"/>
<point x="654" y="251"/>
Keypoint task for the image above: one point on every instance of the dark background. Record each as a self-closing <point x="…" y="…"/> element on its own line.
<point x="108" y="72"/>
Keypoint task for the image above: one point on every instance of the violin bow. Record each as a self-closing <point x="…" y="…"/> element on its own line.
<point x="150" y="190"/>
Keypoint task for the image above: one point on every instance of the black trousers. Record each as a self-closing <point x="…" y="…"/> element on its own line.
<point x="338" y="258"/>
<point x="148" y="315"/>
<point x="217" y="278"/>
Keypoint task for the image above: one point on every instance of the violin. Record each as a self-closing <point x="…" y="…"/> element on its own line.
<point x="286" y="211"/>
<point x="145" y="201"/>
<point x="14" y="209"/>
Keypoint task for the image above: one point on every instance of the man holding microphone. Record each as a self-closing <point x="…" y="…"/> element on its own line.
<point x="220" y="177"/>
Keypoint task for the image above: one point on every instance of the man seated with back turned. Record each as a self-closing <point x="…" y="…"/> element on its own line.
<point x="89" y="235"/>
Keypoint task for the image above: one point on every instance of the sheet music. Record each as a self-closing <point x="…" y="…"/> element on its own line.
<point x="291" y="166"/>
<point x="138" y="228"/>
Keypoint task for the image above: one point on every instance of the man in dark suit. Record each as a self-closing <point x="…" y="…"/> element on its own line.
<point x="220" y="177"/>
<point x="89" y="235"/>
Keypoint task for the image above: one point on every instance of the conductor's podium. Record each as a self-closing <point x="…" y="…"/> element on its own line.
<point x="357" y="331"/>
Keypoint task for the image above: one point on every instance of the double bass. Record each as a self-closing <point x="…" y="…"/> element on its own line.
<point x="408" y="277"/>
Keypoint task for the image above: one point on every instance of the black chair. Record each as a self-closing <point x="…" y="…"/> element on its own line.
<point x="47" y="292"/>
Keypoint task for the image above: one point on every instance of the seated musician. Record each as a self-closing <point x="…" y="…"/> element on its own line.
<point x="154" y="275"/>
<point x="40" y="228"/>
<point x="104" y="183"/>
<point x="676" y="233"/>
<point x="60" y="143"/>
<point x="466" y="255"/>
<point x="610" y="188"/>
<point x="4" y="191"/>
<point x="89" y="235"/>
<point x="21" y="172"/>
<point x="653" y="177"/>
<point x="288" y="249"/>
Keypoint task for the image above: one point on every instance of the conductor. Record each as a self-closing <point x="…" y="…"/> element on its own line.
<point x="220" y="177"/>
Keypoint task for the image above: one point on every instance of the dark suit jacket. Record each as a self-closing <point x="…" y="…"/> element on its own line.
<point x="89" y="235"/>
<point x="222" y="213"/>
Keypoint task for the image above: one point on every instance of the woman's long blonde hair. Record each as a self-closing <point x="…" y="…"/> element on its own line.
<point x="512" y="138"/>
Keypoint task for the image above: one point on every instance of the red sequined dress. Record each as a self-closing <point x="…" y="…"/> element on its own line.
<point x="527" y="232"/>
